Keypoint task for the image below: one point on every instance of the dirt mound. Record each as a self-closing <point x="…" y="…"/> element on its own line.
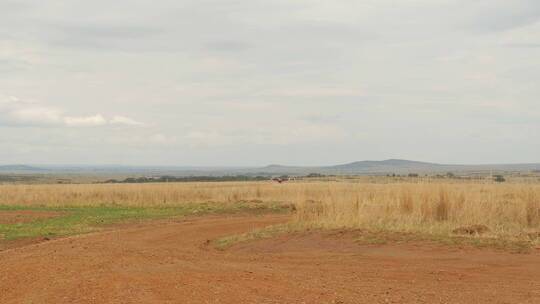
<point x="172" y="263"/>
<point x="26" y="216"/>
<point x="475" y="229"/>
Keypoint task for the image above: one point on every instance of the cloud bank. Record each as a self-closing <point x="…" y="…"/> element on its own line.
<point x="252" y="82"/>
<point x="14" y="112"/>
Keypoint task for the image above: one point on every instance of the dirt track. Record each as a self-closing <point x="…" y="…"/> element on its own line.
<point x="170" y="262"/>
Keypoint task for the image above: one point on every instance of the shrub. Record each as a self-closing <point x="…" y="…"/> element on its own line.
<point x="499" y="178"/>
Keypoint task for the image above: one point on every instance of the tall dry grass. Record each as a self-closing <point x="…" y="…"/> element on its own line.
<point x="507" y="209"/>
<point x="154" y="194"/>
<point x="432" y="207"/>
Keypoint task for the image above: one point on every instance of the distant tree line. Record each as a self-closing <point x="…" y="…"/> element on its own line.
<point x="179" y="179"/>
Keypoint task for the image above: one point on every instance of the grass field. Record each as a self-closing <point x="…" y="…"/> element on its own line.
<point x="432" y="207"/>
<point x="509" y="210"/>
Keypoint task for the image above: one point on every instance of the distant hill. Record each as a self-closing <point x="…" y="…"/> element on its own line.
<point x="367" y="167"/>
<point x="398" y="166"/>
<point x="389" y="163"/>
<point x="359" y="167"/>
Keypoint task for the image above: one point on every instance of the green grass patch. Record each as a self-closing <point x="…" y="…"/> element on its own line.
<point x="84" y="219"/>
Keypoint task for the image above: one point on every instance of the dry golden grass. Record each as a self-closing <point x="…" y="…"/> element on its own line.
<point x="422" y="206"/>
<point x="507" y="209"/>
<point x="152" y="194"/>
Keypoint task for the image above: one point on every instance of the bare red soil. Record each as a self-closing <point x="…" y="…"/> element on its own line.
<point x="26" y="216"/>
<point x="171" y="262"/>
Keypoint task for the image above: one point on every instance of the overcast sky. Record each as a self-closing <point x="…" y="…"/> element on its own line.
<point x="250" y="82"/>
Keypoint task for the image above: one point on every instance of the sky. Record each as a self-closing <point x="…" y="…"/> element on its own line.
<point x="252" y="82"/>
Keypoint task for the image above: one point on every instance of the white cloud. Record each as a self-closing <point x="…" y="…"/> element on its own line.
<point x="15" y="112"/>
<point x="88" y="121"/>
<point x="35" y="115"/>
<point x="122" y="120"/>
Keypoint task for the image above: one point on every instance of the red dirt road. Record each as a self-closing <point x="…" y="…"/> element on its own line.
<point x="170" y="262"/>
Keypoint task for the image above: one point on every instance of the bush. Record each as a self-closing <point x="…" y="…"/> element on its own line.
<point x="499" y="178"/>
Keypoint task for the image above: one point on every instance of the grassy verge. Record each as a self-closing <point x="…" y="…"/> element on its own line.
<point x="84" y="219"/>
<point x="263" y="233"/>
<point x="381" y="238"/>
<point x="364" y="237"/>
